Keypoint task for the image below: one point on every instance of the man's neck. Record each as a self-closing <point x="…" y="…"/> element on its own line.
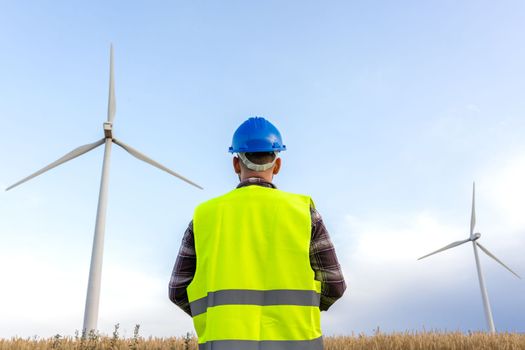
<point x="258" y="175"/>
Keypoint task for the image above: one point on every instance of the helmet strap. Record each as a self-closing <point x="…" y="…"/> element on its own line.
<point x="256" y="167"/>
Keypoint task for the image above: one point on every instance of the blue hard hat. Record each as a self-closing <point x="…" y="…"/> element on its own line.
<point x="257" y="135"/>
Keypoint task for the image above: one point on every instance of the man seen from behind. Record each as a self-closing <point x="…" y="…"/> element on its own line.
<point x="256" y="265"/>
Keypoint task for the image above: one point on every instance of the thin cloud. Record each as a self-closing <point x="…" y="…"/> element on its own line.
<point x="505" y="187"/>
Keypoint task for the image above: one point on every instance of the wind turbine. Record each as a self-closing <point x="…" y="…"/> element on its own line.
<point x="474" y="239"/>
<point x="95" y="270"/>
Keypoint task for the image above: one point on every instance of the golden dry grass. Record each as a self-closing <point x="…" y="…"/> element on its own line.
<point x="428" y="341"/>
<point x="409" y="341"/>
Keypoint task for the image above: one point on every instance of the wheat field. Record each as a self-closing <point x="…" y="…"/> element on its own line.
<point x="397" y="341"/>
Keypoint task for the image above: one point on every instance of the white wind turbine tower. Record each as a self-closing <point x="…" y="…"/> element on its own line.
<point x="95" y="271"/>
<point x="474" y="239"/>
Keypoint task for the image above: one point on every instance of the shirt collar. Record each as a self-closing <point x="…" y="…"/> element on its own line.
<point x="255" y="181"/>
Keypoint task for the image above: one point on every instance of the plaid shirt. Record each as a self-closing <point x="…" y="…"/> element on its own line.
<point x="323" y="261"/>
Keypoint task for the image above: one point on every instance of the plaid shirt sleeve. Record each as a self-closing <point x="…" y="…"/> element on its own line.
<point x="324" y="263"/>
<point x="322" y="260"/>
<point x="183" y="271"/>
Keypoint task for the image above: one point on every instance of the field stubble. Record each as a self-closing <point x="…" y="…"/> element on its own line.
<point x="395" y="341"/>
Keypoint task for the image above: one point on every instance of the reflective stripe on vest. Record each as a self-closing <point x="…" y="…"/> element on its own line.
<point x="254" y="287"/>
<point x="255" y="297"/>
<point x="314" y="344"/>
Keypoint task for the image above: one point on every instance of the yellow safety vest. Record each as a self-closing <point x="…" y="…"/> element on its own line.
<point x="254" y="287"/>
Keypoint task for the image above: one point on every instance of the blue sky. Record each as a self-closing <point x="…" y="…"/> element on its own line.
<point x="389" y="111"/>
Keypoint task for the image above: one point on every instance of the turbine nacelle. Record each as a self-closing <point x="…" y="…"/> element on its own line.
<point x="476" y="236"/>
<point x="108" y="130"/>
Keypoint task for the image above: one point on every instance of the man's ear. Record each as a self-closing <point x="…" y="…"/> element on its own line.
<point x="237" y="165"/>
<point x="277" y="166"/>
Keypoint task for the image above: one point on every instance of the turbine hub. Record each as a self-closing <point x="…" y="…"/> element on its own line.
<point x="476" y="236"/>
<point x="108" y="130"/>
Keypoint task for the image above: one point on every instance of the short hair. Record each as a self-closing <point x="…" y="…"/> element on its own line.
<point x="260" y="157"/>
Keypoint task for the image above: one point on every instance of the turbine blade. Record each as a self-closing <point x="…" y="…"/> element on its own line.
<point x="473" y="213"/>
<point x="493" y="257"/>
<point x="73" y="154"/>
<point x="148" y="160"/>
<point x="451" y="245"/>
<point x="112" y="105"/>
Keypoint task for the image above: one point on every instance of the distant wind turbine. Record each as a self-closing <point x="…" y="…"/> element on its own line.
<point x="95" y="271"/>
<point x="474" y="239"/>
